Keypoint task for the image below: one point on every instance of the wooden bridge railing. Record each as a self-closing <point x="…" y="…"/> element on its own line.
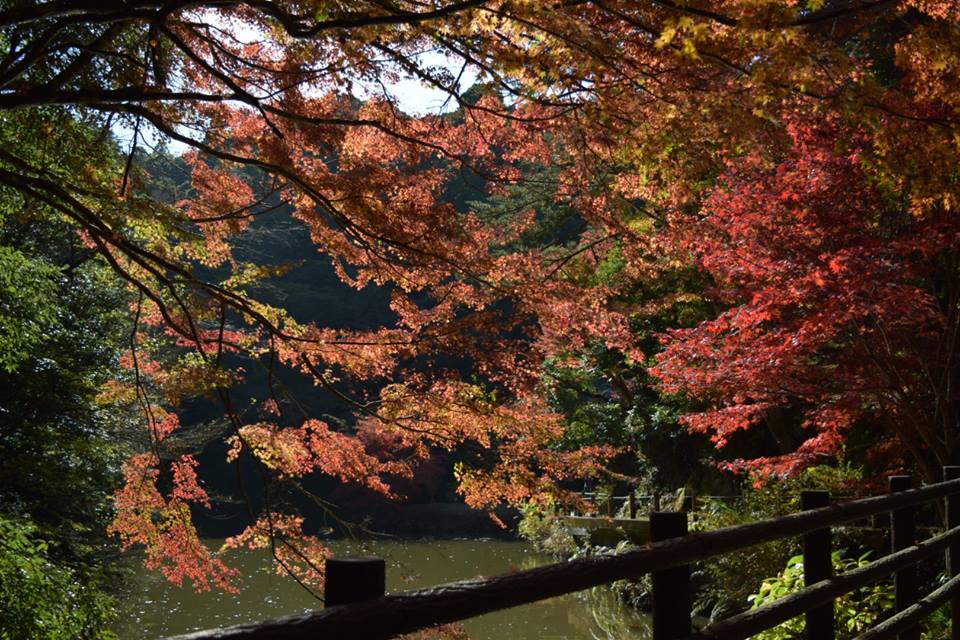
<point x="609" y="504"/>
<point x="362" y="612"/>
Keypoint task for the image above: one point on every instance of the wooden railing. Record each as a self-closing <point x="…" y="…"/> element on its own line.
<point x="358" y="610"/>
<point x="609" y="504"/>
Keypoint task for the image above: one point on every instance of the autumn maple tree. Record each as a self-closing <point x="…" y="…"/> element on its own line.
<point x="803" y="156"/>
<point x="842" y="306"/>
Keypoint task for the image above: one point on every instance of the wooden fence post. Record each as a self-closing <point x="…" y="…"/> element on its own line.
<point x="953" y="552"/>
<point x="903" y="535"/>
<point x="671" y="587"/>
<point x="354" y="579"/>
<point x="817" y="566"/>
<point x="632" y="502"/>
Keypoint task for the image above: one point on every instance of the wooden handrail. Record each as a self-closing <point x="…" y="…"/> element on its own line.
<point x="391" y="615"/>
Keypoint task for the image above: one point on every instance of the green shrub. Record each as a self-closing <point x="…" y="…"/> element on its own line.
<point x="938" y="622"/>
<point x="545" y="531"/>
<point x="854" y="612"/>
<point x="42" y="600"/>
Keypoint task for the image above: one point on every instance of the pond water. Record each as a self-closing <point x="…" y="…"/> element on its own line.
<point x="155" y="608"/>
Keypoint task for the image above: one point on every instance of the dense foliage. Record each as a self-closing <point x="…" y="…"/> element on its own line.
<point x="63" y="322"/>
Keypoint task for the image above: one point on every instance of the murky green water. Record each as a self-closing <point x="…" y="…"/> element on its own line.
<point x="156" y="609"/>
